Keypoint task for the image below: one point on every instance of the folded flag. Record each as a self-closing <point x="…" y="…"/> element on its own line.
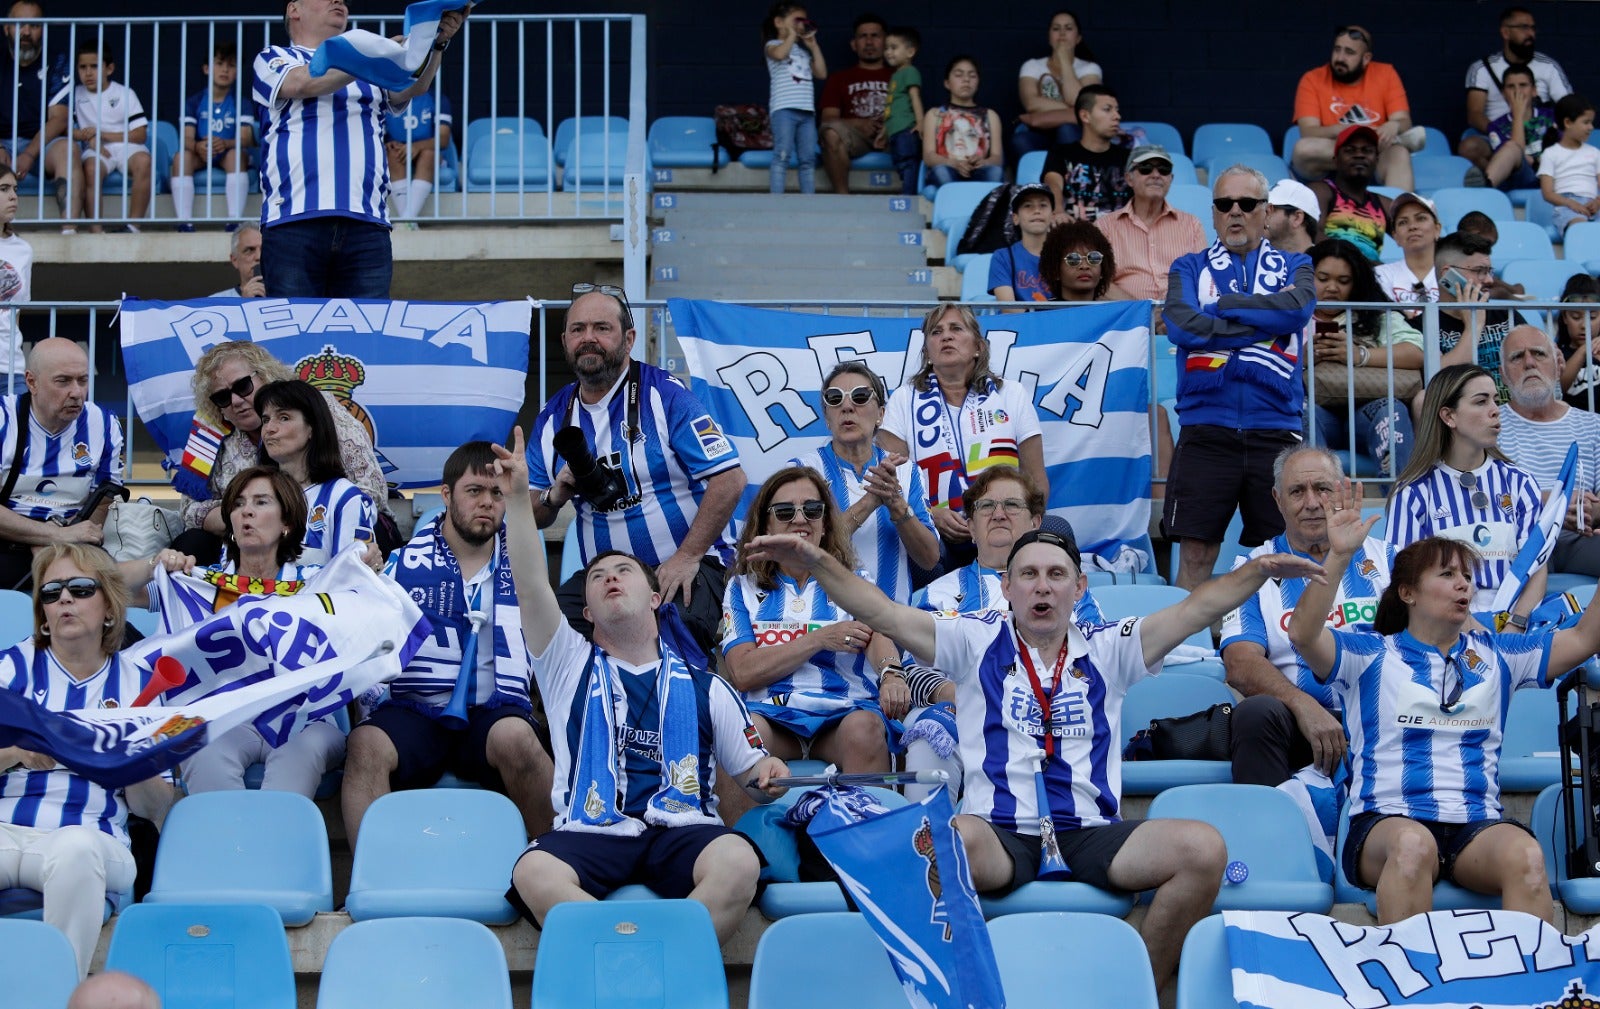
<point x="191" y="476"/>
<point x="1541" y="542"/>
<point x="384" y="62"/>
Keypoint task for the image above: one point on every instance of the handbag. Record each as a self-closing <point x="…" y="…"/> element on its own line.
<point x="1204" y="735"/>
<point x="741" y="128"/>
<point x="135" y="529"/>
<point x="1335" y="382"/>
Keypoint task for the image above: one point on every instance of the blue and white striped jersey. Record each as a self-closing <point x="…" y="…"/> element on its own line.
<point x="1417" y="747"/>
<point x="830" y="681"/>
<point x="1263" y="619"/>
<point x="879" y="549"/>
<point x="677" y="448"/>
<point x="320" y="156"/>
<point x="1436" y="504"/>
<point x="1001" y="727"/>
<point x="338" y="513"/>
<point x="59" y="797"/>
<point x="59" y="469"/>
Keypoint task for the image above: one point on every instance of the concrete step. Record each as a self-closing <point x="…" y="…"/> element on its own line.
<point x="835" y="257"/>
<point x="815" y="206"/>
<point x="752" y="230"/>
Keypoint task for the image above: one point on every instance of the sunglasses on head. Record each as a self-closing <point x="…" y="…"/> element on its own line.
<point x="784" y="511"/>
<point x="1079" y="258"/>
<point x="81" y="587"/>
<point x="242" y="388"/>
<point x="610" y="291"/>
<point x="1225" y="204"/>
<point x="1158" y="167"/>
<point x="860" y="396"/>
<point x="1469" y="482"/>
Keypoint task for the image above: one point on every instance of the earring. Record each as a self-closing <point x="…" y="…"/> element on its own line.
<point x="45" y="630"/>
<point x="109" y="622"/>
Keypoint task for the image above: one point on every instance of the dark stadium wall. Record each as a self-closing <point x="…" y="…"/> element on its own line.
<point x="1179" y="61"/>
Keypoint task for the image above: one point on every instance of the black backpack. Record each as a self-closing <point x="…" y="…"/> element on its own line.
<point x="990" y="228"/>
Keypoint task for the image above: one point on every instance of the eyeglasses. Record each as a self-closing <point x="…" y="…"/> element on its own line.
<point x="1158" y="167"/>
<point x="1477" y="271"/>
<point x="609" y="291"/>
<point x="987" y="506"/>
<point x="1469" y="482"/>
<point x="1079" y="258"/>
<point x="784" y="511"/>
<point x="242" y="388"/>
<point x="860" y="396"/>
<point x="81" y="587"/>
<point x="1226" y="204"/>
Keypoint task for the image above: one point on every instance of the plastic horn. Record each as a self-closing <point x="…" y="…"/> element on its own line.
<point x="455" y="712"/>
<point x="839" y="780"/>
<point x="168" y="673"/>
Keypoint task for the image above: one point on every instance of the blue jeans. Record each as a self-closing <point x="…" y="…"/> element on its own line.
<point x="1025" y="138"/>
<point x="794" y="134"/>
<point x="905" y="150"/>
<point x="943" y="175"/>
<point x="1371" y="430"/>
<point x="327" y="257"/>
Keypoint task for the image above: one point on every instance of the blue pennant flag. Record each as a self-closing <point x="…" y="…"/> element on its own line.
<point x="1541" y="542"/>
<point x="907" y="871"/>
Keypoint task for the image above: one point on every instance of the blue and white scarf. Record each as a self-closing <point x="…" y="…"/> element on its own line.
<point x="948" y="482"/>
<point x="1274" y="362"/>
<point x="685" y="789"/>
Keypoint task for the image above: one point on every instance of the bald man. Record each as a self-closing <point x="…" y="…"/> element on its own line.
<point x="55" y="447"/>
<point x="113" y="989"/>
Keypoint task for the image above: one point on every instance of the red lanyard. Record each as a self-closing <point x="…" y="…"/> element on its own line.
<point x="1039" y="692"/>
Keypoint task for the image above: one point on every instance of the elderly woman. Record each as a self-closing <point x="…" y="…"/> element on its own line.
<point x="1077" y="264"/>
<point x="61" y="833"/>
<point x="958" y="414"/>
<point x="299" y="435"/>
<point x="879" y="494"/>
<point x="265" y="515"/>
<point x="810" y="673"/>
<point x="225" y="382"/>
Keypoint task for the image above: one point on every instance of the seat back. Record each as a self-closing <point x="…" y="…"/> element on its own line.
<point x="411" y="963"/>
<point x="1454" y="203"/>
<point x="1028" y="949"/>
<point x="1265" y="162"/>
<point x="1205" y="978"/>
<point x="206" y="956"/>
<point x="1216" y="140"/>
<point x="597" y="158"/>
<point x="568" y="129"/>
<point x="682" y="141"/>
<point x="1142" y="600"/>
<point x="1030" y="167"/>
<point x="621" y="954"/>
<point x="505" y="152"/>
<point x="784" y="973"/>
<point x="1581" y="244"/>
<point x="1164" y="134"/>
<point x="975" y="278"/>
<point x="39" y="965"/>
<point x="1544" y="279"/>
<point x="1262" y="826"/>
<point x="1520" y="240"/>
<point x="954" y="204"/>
<point x="1196" y="200"/>
<point x="1167" y="695"/>
<point x="16" y="617"/>
<point x="1438" y="171"/>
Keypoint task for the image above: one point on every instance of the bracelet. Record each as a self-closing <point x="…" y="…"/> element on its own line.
<point x="894" y="668"/>
<point x="1361" y="362"/>
<point x="544" y="499"/>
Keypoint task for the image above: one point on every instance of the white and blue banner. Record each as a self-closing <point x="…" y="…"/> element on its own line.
<point x="760" y="372"/>
<point x="422" y="377"/>
<point x="382" y="61"/>
<point x="1442" y="959"/>
<point x="907" y="871"/>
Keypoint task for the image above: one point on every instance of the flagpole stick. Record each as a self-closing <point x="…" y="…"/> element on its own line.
<point x="838" y="780"/>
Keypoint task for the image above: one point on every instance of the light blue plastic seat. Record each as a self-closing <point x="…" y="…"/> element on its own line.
<point x="1446" y="896"/>
<point x="975" y="277"/>
<point x="952" y="209"/>
<point x="1367" y="511"/>
<point x="246" y="847"/>
<point x="1219" y="140"/>
<point x="22" y="904"/>
<point x="872" y="161"/>
<point x="444" y="852"/>
<point x="1542" y="213"/>
<point x="1143" y="600"/>
<point x="1541" y="278"/>
<point x="1455" y="202"/>
<point x="1437" y="142"/>
<point x="1265" y="162"/>
<point x="571" y="554"/>
<point x="1110" y="967"/>
<point x="1163" y="134"/>
<point x="1564" y="582"/>
<point x="1264" y="829"/>
<point x="1430" y="172"/>
<point x="1580" y="895"/>
<point x="39" y="965"/>
<point x="144" y="621"/>
<point x="16" y="617"/>
<point x="1196" y="200"/>
<point x="1520" y="240"/>
<point x="1053" y="896"/>
<point x="504" y="153"/>
<point x="682" y="141"/>
<point x="567" y="129"/>
<point x="1581" y="244"/>
<point x="1165" y="696"/>
<point x="1530" y="751"/>
<point x="595" y="160"/>
<point x="1183" y="172"/>
<point x="414" y="963"/>
<point x="206" y="956"/>
<point x="1030" y="167"/>
<point x="1205" y="977"/>
<point x="784" y="972"/>
<point x="607" y="954"/>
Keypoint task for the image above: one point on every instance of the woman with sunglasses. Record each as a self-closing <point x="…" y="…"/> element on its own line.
<point x="61" y="833"/>
<point x="810" y="673"/>
<point x="1459" y="485"/>
<point x="879" y="495"/>
<point x="1425" y="698"/>
<point x="1077" y="264"/>
<point x="297" y="434"/>
<point x="225" y="382"/>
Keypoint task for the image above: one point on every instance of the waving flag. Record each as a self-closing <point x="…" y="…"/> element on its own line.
<point x="1541" y="541"/>
<point x="375" y="59"/>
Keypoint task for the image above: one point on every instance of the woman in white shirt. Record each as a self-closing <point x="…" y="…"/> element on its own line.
<point x="1050" y="84"/>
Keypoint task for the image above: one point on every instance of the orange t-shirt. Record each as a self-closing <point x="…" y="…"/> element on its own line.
<point x="1370" y="101"/>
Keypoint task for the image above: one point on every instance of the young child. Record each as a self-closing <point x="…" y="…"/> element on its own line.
<point x="415" y="142"/>
<point x="112" y="127"/>
<point x="1518" y="136"/>
<point x="902" y="113"/>
<point x="961" y="139"/>
<point x="16" y="283"/>
<point x="794" y="63"/>
<point x="1014" y="270"/>
<point x="217" y="133"/>
<point x="1569" y="172"/>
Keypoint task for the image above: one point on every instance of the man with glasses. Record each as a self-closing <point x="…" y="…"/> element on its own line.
<point x="1352" y="90"/>
<point x="1485" y="78"/>
<point x="1149" y="233"/>
<point x="1235" y="313"/>
<point x="1292" y="216"/>
<point x="667" y="476"/>
<point x="1468" y="335"/>
<point x="55" y="447"/>
<point x="39" y="87"/>
<point x="245" y="257"/>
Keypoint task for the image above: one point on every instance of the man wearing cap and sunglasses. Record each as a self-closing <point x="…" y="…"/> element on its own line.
<point x="1352" y="90"/>
<point x="1148" y="233"/>
<point x="661" y="478"/>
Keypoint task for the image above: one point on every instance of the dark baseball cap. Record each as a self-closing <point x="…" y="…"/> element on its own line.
<point x="1030" y="190"/>
<point x="1055" y="539"/>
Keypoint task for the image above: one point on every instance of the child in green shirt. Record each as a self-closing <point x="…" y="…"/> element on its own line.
<point x="902" y="114"/>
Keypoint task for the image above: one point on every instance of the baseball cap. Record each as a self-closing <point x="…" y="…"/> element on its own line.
<point x="1146" y="152"/>
<point x="1407" y="199"/>
<point x="1055" y="539"/>
<point x="1029" y="190"/>
<point x="1350" y="133"/>
<point x="1289" y="193"/>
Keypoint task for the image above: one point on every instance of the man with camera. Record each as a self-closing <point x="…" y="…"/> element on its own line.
<point x="650" y="471"/>
<point x="246" y="258"/>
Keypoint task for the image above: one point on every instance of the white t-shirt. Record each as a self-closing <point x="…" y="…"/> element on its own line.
<point x="1549" y="80"/>
<point x="1049" y="87"/>
<point x="16" y="285"/>
<point x="1576" y="172"/>
<point x="989" y="429"/>
<point x="1400" y="284"/>
<point x="113" y="109"/>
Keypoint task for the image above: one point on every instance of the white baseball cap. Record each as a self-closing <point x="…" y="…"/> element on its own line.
<point x="1289" y="193"/>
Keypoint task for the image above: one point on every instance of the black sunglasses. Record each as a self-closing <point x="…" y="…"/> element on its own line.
<point x="784" y="510"/>
<point x="1079" y="258"/>
<point x="1225" y="204"/>
<point x="1469" y="482"/>
<point x="860" y="396"/>
<point x="1159" y="167"/>
<point x="81" y="587"/>
<point x="242" y="388"/>
<point x="610" y="291"/>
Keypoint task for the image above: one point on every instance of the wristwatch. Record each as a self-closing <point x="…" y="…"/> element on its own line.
<point x="441" y="45"/>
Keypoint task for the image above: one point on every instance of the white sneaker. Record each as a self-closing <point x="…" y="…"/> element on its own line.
<point x="1414" y="139"/>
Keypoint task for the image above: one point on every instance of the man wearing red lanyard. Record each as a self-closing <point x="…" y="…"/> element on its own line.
<point x="1034" y="688"/>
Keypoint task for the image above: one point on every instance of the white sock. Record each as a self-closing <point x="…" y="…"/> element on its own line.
<point x="183" y="196"/>
<point x="397" y="191"/>
<point x="920" y="756"/>
<point x="236" y="186"/>
<point x="417" y="198"/>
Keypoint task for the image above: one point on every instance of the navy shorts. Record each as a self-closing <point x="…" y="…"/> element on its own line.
<point x="661" y="858"/>
<point x="1088" y="852"/>
<point x="1452" y="839"/>
<point x="1216" y="471"/>
<point x="427" y="747"/>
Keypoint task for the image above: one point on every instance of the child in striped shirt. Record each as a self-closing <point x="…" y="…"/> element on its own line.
<point x="794" y="62"/>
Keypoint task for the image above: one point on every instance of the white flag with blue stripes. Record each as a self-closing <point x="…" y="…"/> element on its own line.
<point x="378" y="60"/>
<point x="760" y="373"/>
<point x="422" y="377"/>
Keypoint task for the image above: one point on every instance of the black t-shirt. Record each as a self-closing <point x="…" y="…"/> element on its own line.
<point x="33" y="89"/>
<point x="1092" y="179"/>
<point x="1496" y="324"/>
